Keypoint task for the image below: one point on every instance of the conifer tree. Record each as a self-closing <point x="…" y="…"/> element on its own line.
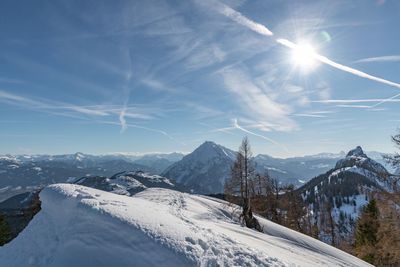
<point x="366" y="233"/>
<point x="5" y="232"/>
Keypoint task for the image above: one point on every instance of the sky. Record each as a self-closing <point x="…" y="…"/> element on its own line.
<point x="296" y="77"/>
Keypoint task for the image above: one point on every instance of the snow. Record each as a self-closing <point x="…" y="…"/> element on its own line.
<point x="350" y="209"/>
<point x="124" y="183"/>
<point x="13" y="166"/>
<point x="320" y="166"/>
<point x="157" y="227"/>
<point x="275" y="169"/>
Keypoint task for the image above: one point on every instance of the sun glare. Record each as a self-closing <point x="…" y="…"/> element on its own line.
<point x="303" y="56"/>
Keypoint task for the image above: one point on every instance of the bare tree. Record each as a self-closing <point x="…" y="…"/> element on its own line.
<point x="394" y="159"/>
<point x="295" y="210"/>
<point x="331" y="222"/>
<point x="242" y="183"/>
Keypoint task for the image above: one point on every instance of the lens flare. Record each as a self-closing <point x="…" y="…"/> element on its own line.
<point x="303" y="56"/>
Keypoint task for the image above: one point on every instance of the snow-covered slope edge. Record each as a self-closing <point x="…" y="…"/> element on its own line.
<point x="81" y="226"/>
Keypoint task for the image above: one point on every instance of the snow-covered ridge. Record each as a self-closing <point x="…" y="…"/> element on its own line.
<point x="125" y="183"/>
<point x="357" y="157"/>
<point x="81" y="226"/>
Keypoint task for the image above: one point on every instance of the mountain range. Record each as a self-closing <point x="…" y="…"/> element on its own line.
<point x="23" y="173"/>
<point x="339" y="192"/>
<point x="206" y="169"/>
<point x="202" y="171"/>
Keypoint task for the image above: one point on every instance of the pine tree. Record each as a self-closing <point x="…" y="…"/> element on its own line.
<point x="5" y="232"/>
<point x="366" y="232"/>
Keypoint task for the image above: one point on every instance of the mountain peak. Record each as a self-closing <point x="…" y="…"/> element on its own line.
<point x="203" y="170"/>
<point x="358" y="151"/>
<point x="211" y="149"/>
<point x="208" y="143"/>
<point x="358" y="159"/>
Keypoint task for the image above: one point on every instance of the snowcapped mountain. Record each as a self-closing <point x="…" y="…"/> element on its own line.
<point x="296" y="170"/>
<point x="20" y="174"/>
<point x="356" y="158"/>
<point x="157" y="227"/>
<point x="345" y="189"/>
<point x="159" y="162"/>
<point x="125" y="183"/>
<point x="204" y="170"/>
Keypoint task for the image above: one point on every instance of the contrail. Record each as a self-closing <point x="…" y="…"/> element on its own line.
<point x="393" y="58"/>
<point x="339" y="66"/>
<point x="243" y="20"/>
<point x="353" y="106"/>
<point x="261" y="29"/>
<point x="121" y="116"/>
<point x="344" y="101"/>
<point x="390" y="99"/>
<point x="236" y="125"/>
<point x="122" y="120"/>
<point x="309" y="115"/>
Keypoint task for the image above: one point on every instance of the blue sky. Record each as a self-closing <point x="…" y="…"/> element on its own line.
<point x="145" y="76"/>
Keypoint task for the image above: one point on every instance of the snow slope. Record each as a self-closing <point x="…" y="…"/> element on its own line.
<point x="157" y="227"/>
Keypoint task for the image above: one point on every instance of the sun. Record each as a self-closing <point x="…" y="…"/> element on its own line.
<point x="303" y="56"/>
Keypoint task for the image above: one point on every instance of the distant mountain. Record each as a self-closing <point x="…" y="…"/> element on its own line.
<point x="206" y="174"/>
<point x="125" y="183"/>
<point x="204" y="170"/>
<point x="19" y="174"/>
<point x="346" y="188"/>
<point x="159" y="162"/>
<point x="296" y="170"/>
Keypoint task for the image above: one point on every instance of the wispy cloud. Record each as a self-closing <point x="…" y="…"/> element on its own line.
<point x="137" y="126"/>
<point x="261" y="29"/>
<point x="393" y="58"/>
<point x="156" y="85"/>
<point x="30" y="103"/>
<point x="254" y="101"/>
<point x="79" y="112"/>
<point x="227" y="130"/>
<point x="9" y="80"/>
